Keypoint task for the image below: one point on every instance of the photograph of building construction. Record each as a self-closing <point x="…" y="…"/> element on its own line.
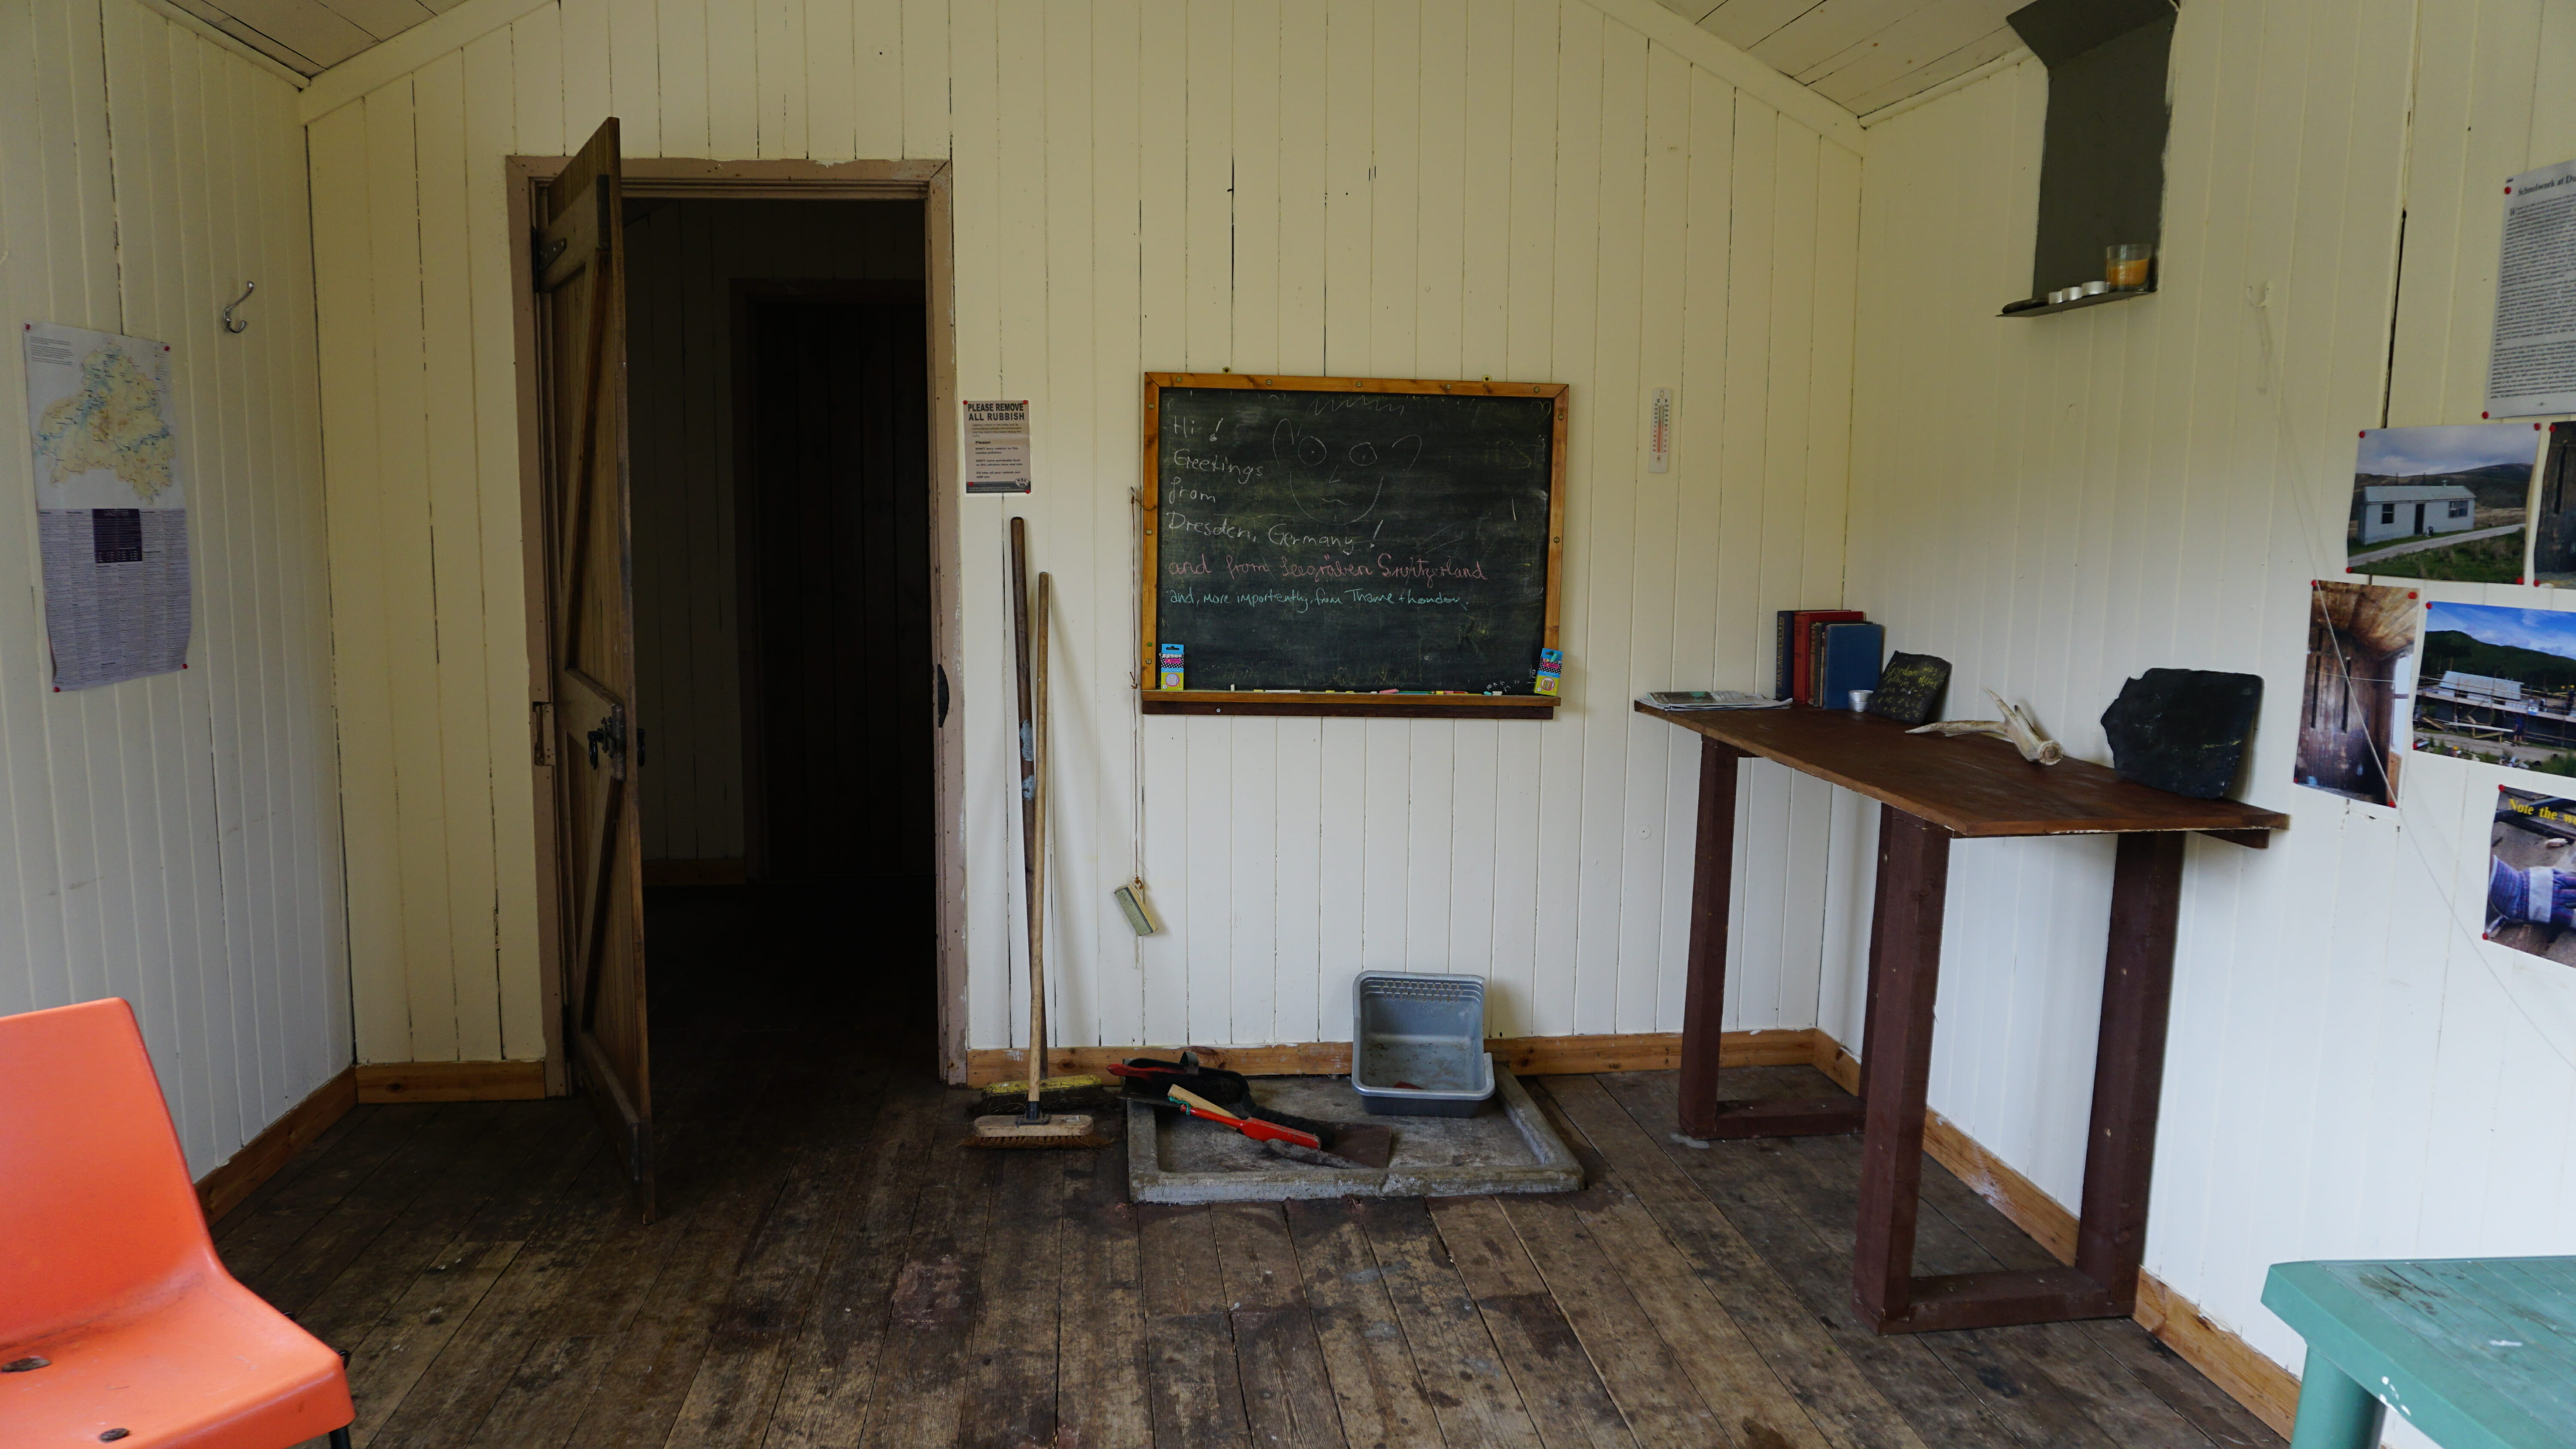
<point x="2442" y="503"/>
<point x="2498" y="685"/>
<point x="2531" y="875"/>
<point x="2361" y="639"/>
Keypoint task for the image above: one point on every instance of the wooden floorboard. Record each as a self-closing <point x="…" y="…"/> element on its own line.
<point x="834" y="1267"/>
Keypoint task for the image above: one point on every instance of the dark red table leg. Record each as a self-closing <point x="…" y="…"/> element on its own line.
<point x="1913" y="884"/>
<point x="1712" y="880"/>
<point x="2129" y="1066"/>
<point x="1704" y="1001"/>
<point x="2128" y="1079"/>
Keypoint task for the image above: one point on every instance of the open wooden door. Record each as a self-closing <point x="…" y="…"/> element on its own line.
<point x="591" y="604"/>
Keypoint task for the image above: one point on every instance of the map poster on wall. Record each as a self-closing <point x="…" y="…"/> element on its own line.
<point x="2532" y="367"/>
<point x="111" y="516"/>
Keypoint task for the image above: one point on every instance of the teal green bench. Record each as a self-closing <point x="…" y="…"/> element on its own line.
<point x="2479" y="1353"/>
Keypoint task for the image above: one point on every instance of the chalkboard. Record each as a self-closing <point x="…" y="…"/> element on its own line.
<point x="1313" y="542"/>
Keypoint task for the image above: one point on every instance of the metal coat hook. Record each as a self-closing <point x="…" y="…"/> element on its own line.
<point x="230" y="323"/>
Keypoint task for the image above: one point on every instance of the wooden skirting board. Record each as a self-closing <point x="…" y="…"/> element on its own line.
<point x="451" y="1081"/>
<point x="221" y="1190"/>
<point x="2268" y="1390"/>
<point x="1529" y="1056"/>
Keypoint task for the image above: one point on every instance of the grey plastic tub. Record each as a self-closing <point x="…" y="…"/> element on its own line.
<point x="1426" y="1032"/>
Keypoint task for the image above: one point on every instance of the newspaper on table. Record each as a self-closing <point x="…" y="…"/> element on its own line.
<point x="1710" y="699"/>
<point x="111" y="514"/>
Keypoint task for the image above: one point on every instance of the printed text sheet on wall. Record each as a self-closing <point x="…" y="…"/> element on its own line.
<point x="2532" y="369"/>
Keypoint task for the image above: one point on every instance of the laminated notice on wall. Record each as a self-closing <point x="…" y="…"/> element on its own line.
<point x="997" y="447"/>
<point x="111" y="515"/>
<point x="2532" y="368"/>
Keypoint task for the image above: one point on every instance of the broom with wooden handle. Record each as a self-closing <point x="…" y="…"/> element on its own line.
<point x="1035" y="1126"/>
<point x="1066" y="1093"/>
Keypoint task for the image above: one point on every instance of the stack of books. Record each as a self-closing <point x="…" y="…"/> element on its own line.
<point x="1825" y="654"/>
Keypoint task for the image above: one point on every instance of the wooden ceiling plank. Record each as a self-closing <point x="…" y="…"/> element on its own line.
<point x="1878" y="102"/>
<point x="282" y="61"/>
<point x="382" y="19"/>
<point x="305" y="26"/>
<point x="454" y="29"/>
<point x="1737" y="68"/>
<point x="1745" y="24"/>
<point x="1690" y="10"/>
<point x="1836" y="26"/>
<point x="1912" y="43"/>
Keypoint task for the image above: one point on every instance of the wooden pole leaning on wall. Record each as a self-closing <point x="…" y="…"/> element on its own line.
<point x="1033" y="1126"/>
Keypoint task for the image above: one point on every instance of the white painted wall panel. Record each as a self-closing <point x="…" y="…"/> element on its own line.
<point x="175" y="840"/>
<point x="2057" y="504"/>
<point x="1362" y="187"/>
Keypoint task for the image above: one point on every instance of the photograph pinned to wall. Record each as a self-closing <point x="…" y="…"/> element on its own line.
<point x="111" y="511"/>
<point x="2498" y="685"/>
<point x="2442" y="503"/>
<point x="2531" y="875"/>
<point x="2361" y="648"/>
<point x="2553" y="519"/>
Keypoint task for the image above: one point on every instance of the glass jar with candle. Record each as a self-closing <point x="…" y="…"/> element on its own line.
<point x="2125" y="266"/>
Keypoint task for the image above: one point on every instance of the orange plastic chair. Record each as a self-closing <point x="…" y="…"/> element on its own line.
<point x="118" y="1325"/>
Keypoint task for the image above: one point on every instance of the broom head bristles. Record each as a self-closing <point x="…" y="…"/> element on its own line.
<point x="1073" y="1130"/>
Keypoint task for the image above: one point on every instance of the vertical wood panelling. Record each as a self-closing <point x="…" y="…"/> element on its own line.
<point x="2057" y="504"/>
<point x="1368" y="187"/>
<point x="174" y="840"/>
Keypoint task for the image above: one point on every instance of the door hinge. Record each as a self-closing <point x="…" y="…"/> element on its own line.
<point x="541" y="732"/>
<point x="545" y="254"/>
<point x="609" y="735"/>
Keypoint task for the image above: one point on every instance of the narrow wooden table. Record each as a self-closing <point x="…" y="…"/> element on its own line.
<point x="2476" y="1352"/>
<point x="1930" y="791"/>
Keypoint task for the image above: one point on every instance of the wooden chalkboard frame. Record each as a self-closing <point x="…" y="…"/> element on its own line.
<point x="1375" y="706"/>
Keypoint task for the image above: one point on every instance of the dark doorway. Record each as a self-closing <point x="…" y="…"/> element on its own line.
<point x="782" y="566"/>
<point x="836" y="517"/>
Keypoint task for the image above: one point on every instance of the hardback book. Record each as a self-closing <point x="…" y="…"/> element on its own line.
<point x="1802" y="647"/>
<point x="1909" y="688"/>
<point x="1847" y="658"/>
<point x="1780" y="653"/>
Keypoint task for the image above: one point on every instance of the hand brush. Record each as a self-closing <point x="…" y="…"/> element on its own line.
<point x="1318" y="1144"/>
<point x="1252" y="1127"/>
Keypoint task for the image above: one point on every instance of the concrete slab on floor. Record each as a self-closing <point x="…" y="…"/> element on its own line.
<point x="1507" y="1147"/>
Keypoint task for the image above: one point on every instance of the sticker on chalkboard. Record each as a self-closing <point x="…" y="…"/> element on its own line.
<point x="997" y="447"/>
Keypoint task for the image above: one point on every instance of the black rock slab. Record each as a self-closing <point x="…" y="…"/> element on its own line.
<point x="2183" y="730"/>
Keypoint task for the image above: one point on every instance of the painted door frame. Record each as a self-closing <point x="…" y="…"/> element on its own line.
<point x="650" y="178"/>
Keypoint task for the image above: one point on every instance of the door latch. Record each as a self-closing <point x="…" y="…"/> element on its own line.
<point x="610" y="735"/>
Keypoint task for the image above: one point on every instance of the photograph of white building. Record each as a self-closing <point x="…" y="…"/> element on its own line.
<point x="2442" y="502"/>
<point x="2400" y="510"/>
